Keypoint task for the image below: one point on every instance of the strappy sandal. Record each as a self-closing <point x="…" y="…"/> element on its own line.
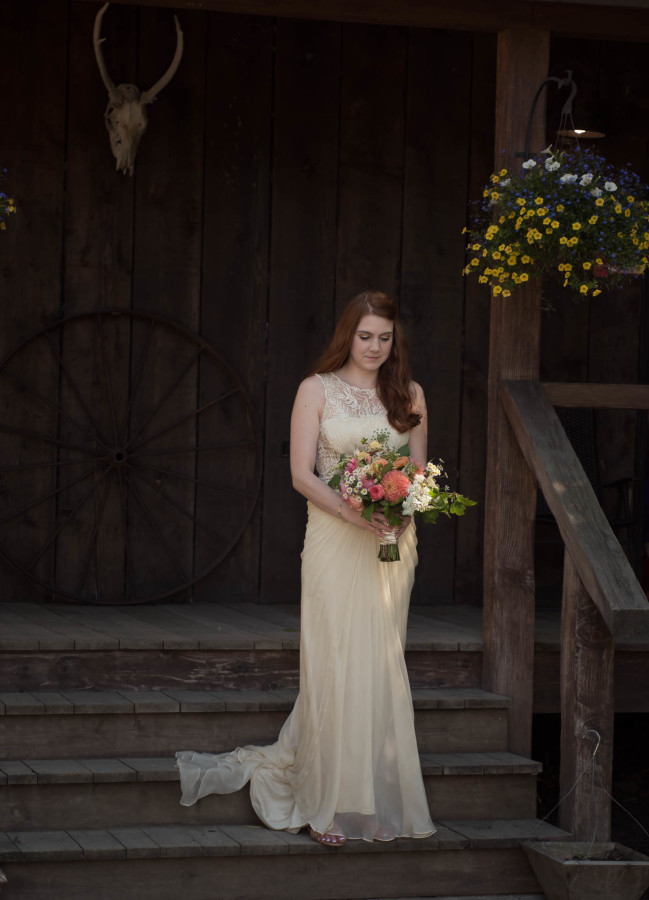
<point x="327" y="839"/>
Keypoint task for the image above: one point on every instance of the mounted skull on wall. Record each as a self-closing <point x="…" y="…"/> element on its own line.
<point x="125" y="116"/>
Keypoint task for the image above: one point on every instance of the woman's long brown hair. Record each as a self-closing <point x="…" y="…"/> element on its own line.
<point x="394" y="378"/>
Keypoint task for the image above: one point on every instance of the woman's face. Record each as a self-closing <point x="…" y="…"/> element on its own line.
<point x="372" y="342"/>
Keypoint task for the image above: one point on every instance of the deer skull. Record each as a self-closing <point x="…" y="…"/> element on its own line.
<point x="125" y="116"/>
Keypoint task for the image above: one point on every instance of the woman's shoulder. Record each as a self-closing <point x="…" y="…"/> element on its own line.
<point x="417" y="393"/>
<point x="311" y="391"/>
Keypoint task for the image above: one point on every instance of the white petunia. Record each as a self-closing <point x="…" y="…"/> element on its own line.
<point x="552" y="165"/>
<point x="610" y="186"/>
<point x="548" y="151"/>
<point x="504" y="182"/>
<point x="568" y="179"/>
<point x="529" y="164"/>
<point x="586" y="179"/>
<point x="596" y="192"/>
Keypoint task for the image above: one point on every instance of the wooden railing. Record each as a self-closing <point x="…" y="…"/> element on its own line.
<point x="602" y="599"/>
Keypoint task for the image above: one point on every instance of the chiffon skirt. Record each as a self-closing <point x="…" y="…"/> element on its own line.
<point x="346" y="759"/>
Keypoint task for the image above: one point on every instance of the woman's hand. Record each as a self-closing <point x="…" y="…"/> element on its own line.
<point x="379" y="524"/>
<point x="385" y="528"/>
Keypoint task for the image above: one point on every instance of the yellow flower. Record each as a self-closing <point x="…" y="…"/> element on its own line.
<point x="501" y="219"/>
<point x="599" y="201"/>
<point x="592" y="220"/>
<point x="507" y="293"/>
<point x="525" y="259"/>
<point x="374" y="445"/>
<point x="502" y="173"/>
<point x="483" y="279"/>
<point x="498" y="289"/>
<point x="362" y="455"/>
<point x="548" y="231"/>
<point x="520" y="201"/>
<point x="475" y="246"/>
<point x="560" y="207"/>
<point x="538" y="200"/>
<point x="501" y="247"/>
<point x="541" y="211"/>
<point x="583" y="289"/>
<point x="495" y="178"/>
<point x="627" y="213"/>
<point x="529" y="213"/>
<point x="497" y="254"/>
<point x="563" y="240"/>
<point x="554" y="224"/>
<point x="547" y="220"/>
<point x="487" y="271"/>
<point x="587" y="265"/>
<point x="518" y="224"/>
<point x="576" y="226"/>
<point x="464" y="230"/>
<point x="511" y="261"/>
<point x="495" y="195"/>
<point x="524" y="276"/>
<point x="561" y="267"/>
<point x="485" y="193"/>
<point x="618" y="208"/>
<point x="631" y="199"/>
<point x="474" y="261"/>
<point x="599" y="261"/>
<point x="596" y="292"/>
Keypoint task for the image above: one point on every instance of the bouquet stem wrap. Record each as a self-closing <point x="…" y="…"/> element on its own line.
<point x="389" y="548"/>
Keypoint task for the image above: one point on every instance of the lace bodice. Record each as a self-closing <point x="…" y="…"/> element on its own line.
<point x="349" y="414"/>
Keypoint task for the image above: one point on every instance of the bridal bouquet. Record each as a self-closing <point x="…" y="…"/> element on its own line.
<point x="379" y="478"/>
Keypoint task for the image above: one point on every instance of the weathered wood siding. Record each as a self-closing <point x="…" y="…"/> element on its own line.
<point x="288" y="165"/>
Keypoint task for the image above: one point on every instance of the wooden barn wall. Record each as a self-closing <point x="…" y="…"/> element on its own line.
<point x="288" y="165"/>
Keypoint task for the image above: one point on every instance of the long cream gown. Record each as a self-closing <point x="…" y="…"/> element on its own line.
<point x="346" y="759"/>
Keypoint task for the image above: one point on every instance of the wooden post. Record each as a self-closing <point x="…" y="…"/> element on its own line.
<point x="587" y="655"/>
<point x="510" y="500"/>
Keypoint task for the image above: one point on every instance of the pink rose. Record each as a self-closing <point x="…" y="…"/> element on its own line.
<point x="351" y="465"/>
<point x="355" y="502"/>
<point x="368" y="483"/>
<point x="377" y="492"/>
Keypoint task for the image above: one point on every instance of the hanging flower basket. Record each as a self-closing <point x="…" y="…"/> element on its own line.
<point x="6" y="203"/>
<point x="570" y="214"/>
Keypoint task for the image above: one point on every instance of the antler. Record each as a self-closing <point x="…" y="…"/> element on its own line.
<point x="150" y="95"/>
<point x="97" y="41"/>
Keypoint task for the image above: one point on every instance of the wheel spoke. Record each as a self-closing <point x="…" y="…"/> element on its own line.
<point x="218" y="539"/>
<point x="93" y="541"/>
<point x="124" y="506"/>
<point x="24" y="432"/>
<point x="165" y="396"/>
<point x="186" y="417"/>
<point x="109" y="381"/>
<point x="198" y="481"/>
<point x="77" y="393"/>
<point x="136" y="383"/>
<point x="159" y="534"/>
<point x="47" y="465"/>
<point x="45" y="497"/>
<point x="67" y="519"/>
<point x="45" y="401"/>
<point x="168" y="450"/>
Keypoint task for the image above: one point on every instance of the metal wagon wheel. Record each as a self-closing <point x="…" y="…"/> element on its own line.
<point x="130" y="458"/>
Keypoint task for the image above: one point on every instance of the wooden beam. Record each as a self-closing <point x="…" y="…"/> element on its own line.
<point x="510" y="499"/>
<point x="587" y="713"/>
<point x="598" y="21"/>
<point x="598" y="396"/>
<point x="594" y="549"/>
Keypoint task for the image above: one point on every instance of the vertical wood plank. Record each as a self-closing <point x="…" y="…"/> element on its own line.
<point x="372" y="109"/>
<point x="475" y="365"/>
<point x="510" y="498"/>
<point x="587" y="678"/>
<point x="303" y="253"/>
<point x="436" y="161"/>
<point x="235" y="242"/>
<point x="167" y="273"/>
<point x="98" y="271"/>
<point x="33" y="87"/>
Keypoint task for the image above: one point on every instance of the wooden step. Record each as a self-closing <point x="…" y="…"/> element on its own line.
<point x="141" y="723"/>
<point x="211" y="646"/>
<point x="257" y="864"/>
<point x="88" y="793"/>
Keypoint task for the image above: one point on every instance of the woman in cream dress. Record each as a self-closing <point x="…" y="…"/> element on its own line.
<point x="346" y="762"/>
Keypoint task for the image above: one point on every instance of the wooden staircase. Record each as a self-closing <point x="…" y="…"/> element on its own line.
<point x="89" y="791"/>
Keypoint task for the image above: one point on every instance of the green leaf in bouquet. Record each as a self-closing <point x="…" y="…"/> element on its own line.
<point x="404" y="450"/>
<point x="368" y="512"/>
<point x="393" y="517"/>
<point x="457" y="508"/>
<point x="334" y="482"/>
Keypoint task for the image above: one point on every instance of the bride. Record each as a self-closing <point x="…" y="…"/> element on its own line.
<point x="346" y="762"/>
